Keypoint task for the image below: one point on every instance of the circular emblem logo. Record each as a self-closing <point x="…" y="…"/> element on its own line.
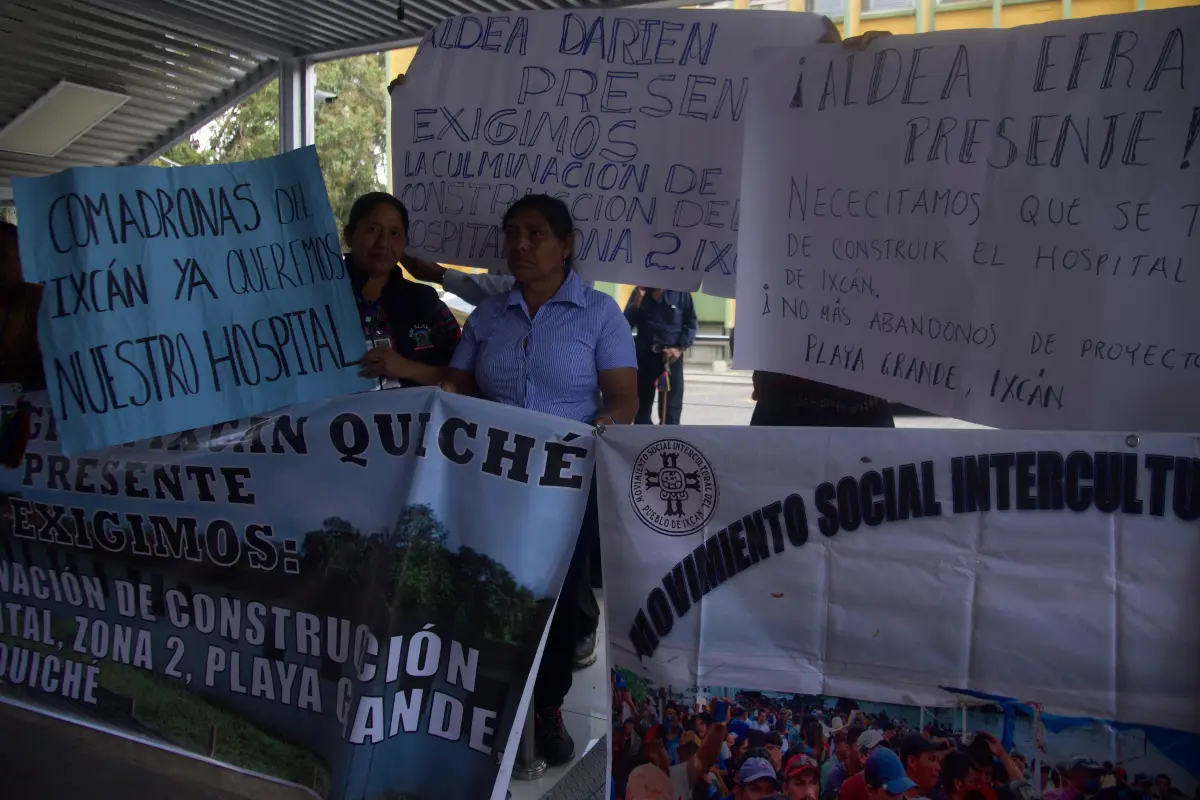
<point x="673" y="487"/>
<point x="420" y="337"/>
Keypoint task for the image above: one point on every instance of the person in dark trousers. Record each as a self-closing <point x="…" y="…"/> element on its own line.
<point x="552" y="344"/>
<point x="666" y="327"/>
<point x="20" y="357"/>
<point x="788" y="401"/>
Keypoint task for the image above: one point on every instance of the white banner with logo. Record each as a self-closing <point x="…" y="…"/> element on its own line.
<point x="906" y="571"/>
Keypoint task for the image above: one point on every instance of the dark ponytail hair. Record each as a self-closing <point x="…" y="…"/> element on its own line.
<point x="368" y="203"/>
<point x="553" y="210"/>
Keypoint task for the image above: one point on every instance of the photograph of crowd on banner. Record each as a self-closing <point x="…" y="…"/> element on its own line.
<point x="695" y="743"/>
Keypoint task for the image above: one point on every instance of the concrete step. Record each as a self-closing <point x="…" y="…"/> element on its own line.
<point x="586" y="780"/>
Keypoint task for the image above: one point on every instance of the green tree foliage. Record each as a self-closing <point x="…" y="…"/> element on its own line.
<point x="408" y="570"/>
<point x="186" y="154"/>
<point x="351" y="131"/>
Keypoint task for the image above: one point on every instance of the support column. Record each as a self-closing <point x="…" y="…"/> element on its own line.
<point x="851" y="18"/>
<point x="297" y="119"/>
<point x="528" y="766"/>
<point x="925" y="15"/>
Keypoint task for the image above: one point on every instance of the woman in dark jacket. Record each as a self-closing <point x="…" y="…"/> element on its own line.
<point x="410" y="332"/>
<point x="20" y="358"/>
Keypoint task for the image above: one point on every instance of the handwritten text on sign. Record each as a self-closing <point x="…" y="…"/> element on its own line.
<point x="182" y="297"/>
<point x="999" y="226"/>
<point x="633" y="118"/>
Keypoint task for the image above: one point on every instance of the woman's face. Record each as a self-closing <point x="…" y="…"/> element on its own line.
<point x="533" y="251"/>
<point x="378" y="240"/>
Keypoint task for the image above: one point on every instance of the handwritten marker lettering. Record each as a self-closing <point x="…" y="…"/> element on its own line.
<point x="998" y="223"/>
<point x="633" y="118"/>
<point x="181" y="297"/>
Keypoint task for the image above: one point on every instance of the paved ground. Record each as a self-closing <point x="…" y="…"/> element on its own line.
<point x="43" y="758"/>
<point x="707" y="403"/>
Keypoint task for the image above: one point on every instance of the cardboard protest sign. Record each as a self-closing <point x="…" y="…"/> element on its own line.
<point x="181" y="297"/>
<point x="632" y="117"/>
<point x="999" y="226"/>
<point x="1037" y="587"/>
<point x="301" y="596"/>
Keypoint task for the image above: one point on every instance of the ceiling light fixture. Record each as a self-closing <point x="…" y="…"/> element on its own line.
<point x="58" y="118"/>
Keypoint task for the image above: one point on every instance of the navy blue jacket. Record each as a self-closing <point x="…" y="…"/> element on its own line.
<point x="419" y="324"/>
<point x="670" y="322"/>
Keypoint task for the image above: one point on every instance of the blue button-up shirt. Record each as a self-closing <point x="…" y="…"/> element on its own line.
<point x="548" y="363"/>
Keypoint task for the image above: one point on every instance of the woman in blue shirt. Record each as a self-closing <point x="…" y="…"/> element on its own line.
<point x="551" y="343"/>
<point x="555" y="345"/>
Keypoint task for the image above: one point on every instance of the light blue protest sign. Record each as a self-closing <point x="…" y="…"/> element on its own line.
<point x="177" y="298"/>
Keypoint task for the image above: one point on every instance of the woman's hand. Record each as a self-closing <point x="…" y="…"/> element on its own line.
<point x="449" y="387"/>
<point x="994" y="745"/>
<point x="423" y="270"/>
<point x="860" y="42"/>
<point x="399" y="80"/>
<point x="384" y="362"/>
<point x="834" y="36"/>
<point x="776" y="756"/>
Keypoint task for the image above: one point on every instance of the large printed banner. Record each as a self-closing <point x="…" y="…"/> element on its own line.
<point x="632" y="117"/>
<point x="1036" y="586"/>
<point x="998" y="226"/>
<point x="347" y="595"/>
<point x="177" y="298"/>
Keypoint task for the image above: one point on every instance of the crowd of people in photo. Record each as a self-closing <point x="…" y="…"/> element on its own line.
<point x="753" y="748"/>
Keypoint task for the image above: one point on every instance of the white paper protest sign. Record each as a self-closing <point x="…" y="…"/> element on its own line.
<point x="633" y="118"/>
<point x="999" y="226"/>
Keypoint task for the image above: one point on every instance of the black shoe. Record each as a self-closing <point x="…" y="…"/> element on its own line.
<point x="586" y="651"/>
<point x="550" y="737"/>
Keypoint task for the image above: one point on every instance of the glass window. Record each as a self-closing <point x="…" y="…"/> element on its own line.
<point x="888" y="5"/>
<point x="770" y="5"/>
<point x="829" y="8"/>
